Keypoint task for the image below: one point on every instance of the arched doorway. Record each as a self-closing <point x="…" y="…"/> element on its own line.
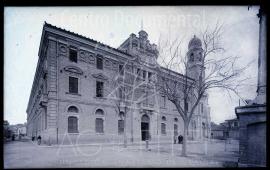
<point x="145" y="124"/>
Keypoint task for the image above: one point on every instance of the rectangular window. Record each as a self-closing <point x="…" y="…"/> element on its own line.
<point x="72" y="124"/>
<point x="99" y="125"/>
<point x="99" y="89"/>
<point x="201" y="108"/>
<point x="73" y="85"/>
<point x="144" y="75"/>
<point x="121" y="69"/>
<point x="73" y="55"/>
<point x="120" y="126"/>
<point x="163" y="101"/>
<point x="99" y="63"/>
<point x="138" y="71"/>
<point x="163" y="128"/>
<point x="149" y="76"/>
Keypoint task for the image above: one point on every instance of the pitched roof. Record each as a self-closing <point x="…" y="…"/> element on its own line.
<point x="83" y="37"/>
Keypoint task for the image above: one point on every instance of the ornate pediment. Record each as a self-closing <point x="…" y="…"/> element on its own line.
<point x="73" y="69"/>
<point x="100" y="76"/>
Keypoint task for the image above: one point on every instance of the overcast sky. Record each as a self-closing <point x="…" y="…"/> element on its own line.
<point x="112" y="25"/>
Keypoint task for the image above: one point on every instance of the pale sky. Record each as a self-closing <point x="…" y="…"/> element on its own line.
<point x="112" y="25"/>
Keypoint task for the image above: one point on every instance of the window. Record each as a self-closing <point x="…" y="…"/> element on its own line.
<point x="163" y="101"/>
<point x="99" y="125"/>
<point x="99" y="112"/>
<point x="73" y="109"/>
<point x="191" y="57"/>
<point x="99" y="63"/>
<point x="201" y="108"/>
<point x="45" y="110"/>
<point x="73" y="85"/>
<point x="72" y="124"/>
<point x="175" y="119"/>
<point x="73" y="55"/>
<point x="149" y="76"/>
<point x="138" y="71"/>
<point x="163" y="128"/>
<point x="144" y="75"/>
<point x="175" y="129"/>
<point x="121" y="93"/>
<point x="235" y="124"/>
<point x="120" y="126"/>
<point x="99" y="89"/>
<point x="121" y="69"/>
<point x="163" y="118"/>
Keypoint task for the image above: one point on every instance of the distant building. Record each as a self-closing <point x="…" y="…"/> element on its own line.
<point x="218" y="131"/>
<point x="233" y="128"/>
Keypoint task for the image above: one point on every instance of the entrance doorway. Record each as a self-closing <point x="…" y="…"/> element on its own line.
<point x="145" y="121"/>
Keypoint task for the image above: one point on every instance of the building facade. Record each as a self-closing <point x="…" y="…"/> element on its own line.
<point x="85" y="91"/>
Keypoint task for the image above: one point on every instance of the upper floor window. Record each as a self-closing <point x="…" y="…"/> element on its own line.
<point x="73" y="85"/>
<point x="72" y="124"/>
<point x="99" y="63"/>
<point x="121" y="69"/>
<point x="138" y="71"/>
<point x="163" y="101"/>
<point x="149" y="76"/>
<point x="191" y="57"/>
<point x="144" y="74"/>
<point x="73" y="55"/>
<point x="202" y="108"/>
<point x="99" y="89"/>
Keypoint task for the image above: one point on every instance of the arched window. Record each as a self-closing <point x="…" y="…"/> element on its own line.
<point x="121" y="127"/>
<point x="175" y="119"/>
<point x="100" y="112"/>
<point x="99" y="121"/>
<point x="163" y="118"/>
<point x="72" y="124"/>
<point x="73" y="109"/>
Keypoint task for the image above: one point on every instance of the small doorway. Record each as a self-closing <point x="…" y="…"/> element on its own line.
<point x="145" y="127"/>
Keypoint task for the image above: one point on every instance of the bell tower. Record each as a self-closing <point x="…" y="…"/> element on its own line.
<point x="195" y="59"/>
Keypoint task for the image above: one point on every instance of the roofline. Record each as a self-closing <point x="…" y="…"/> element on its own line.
<point x="83" y="37"/>
<point x="164" y="68"/>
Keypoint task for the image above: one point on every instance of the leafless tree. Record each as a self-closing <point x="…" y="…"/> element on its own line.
<point x="216" y="71"/>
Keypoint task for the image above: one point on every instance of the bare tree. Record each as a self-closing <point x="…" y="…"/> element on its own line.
<point x="213" y="71"/>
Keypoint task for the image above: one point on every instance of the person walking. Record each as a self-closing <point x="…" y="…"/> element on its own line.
<point x="39" y="140"/>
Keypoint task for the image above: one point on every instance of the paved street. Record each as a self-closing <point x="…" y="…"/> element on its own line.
<point x="25" y="154"/>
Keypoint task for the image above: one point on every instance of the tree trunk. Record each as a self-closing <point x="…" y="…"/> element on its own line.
<point x="184" y="145"/>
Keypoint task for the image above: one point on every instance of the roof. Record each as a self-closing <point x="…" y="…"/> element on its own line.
<point x="83" y="37"/>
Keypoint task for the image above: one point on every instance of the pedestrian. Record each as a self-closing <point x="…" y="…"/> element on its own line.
<point x="39" y="139"/>
<point x="13" y="137"/>
<point x="180" y="139"/>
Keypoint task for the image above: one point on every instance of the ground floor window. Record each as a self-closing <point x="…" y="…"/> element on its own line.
<point x="72" y="124"/>
<point x="120" y="126"/>
<point x="99" y="125"/>
<point x="163" y="128"/>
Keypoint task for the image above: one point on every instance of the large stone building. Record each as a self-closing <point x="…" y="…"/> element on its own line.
<point x="252" y="117"/>
<point x="79" y="86"/>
